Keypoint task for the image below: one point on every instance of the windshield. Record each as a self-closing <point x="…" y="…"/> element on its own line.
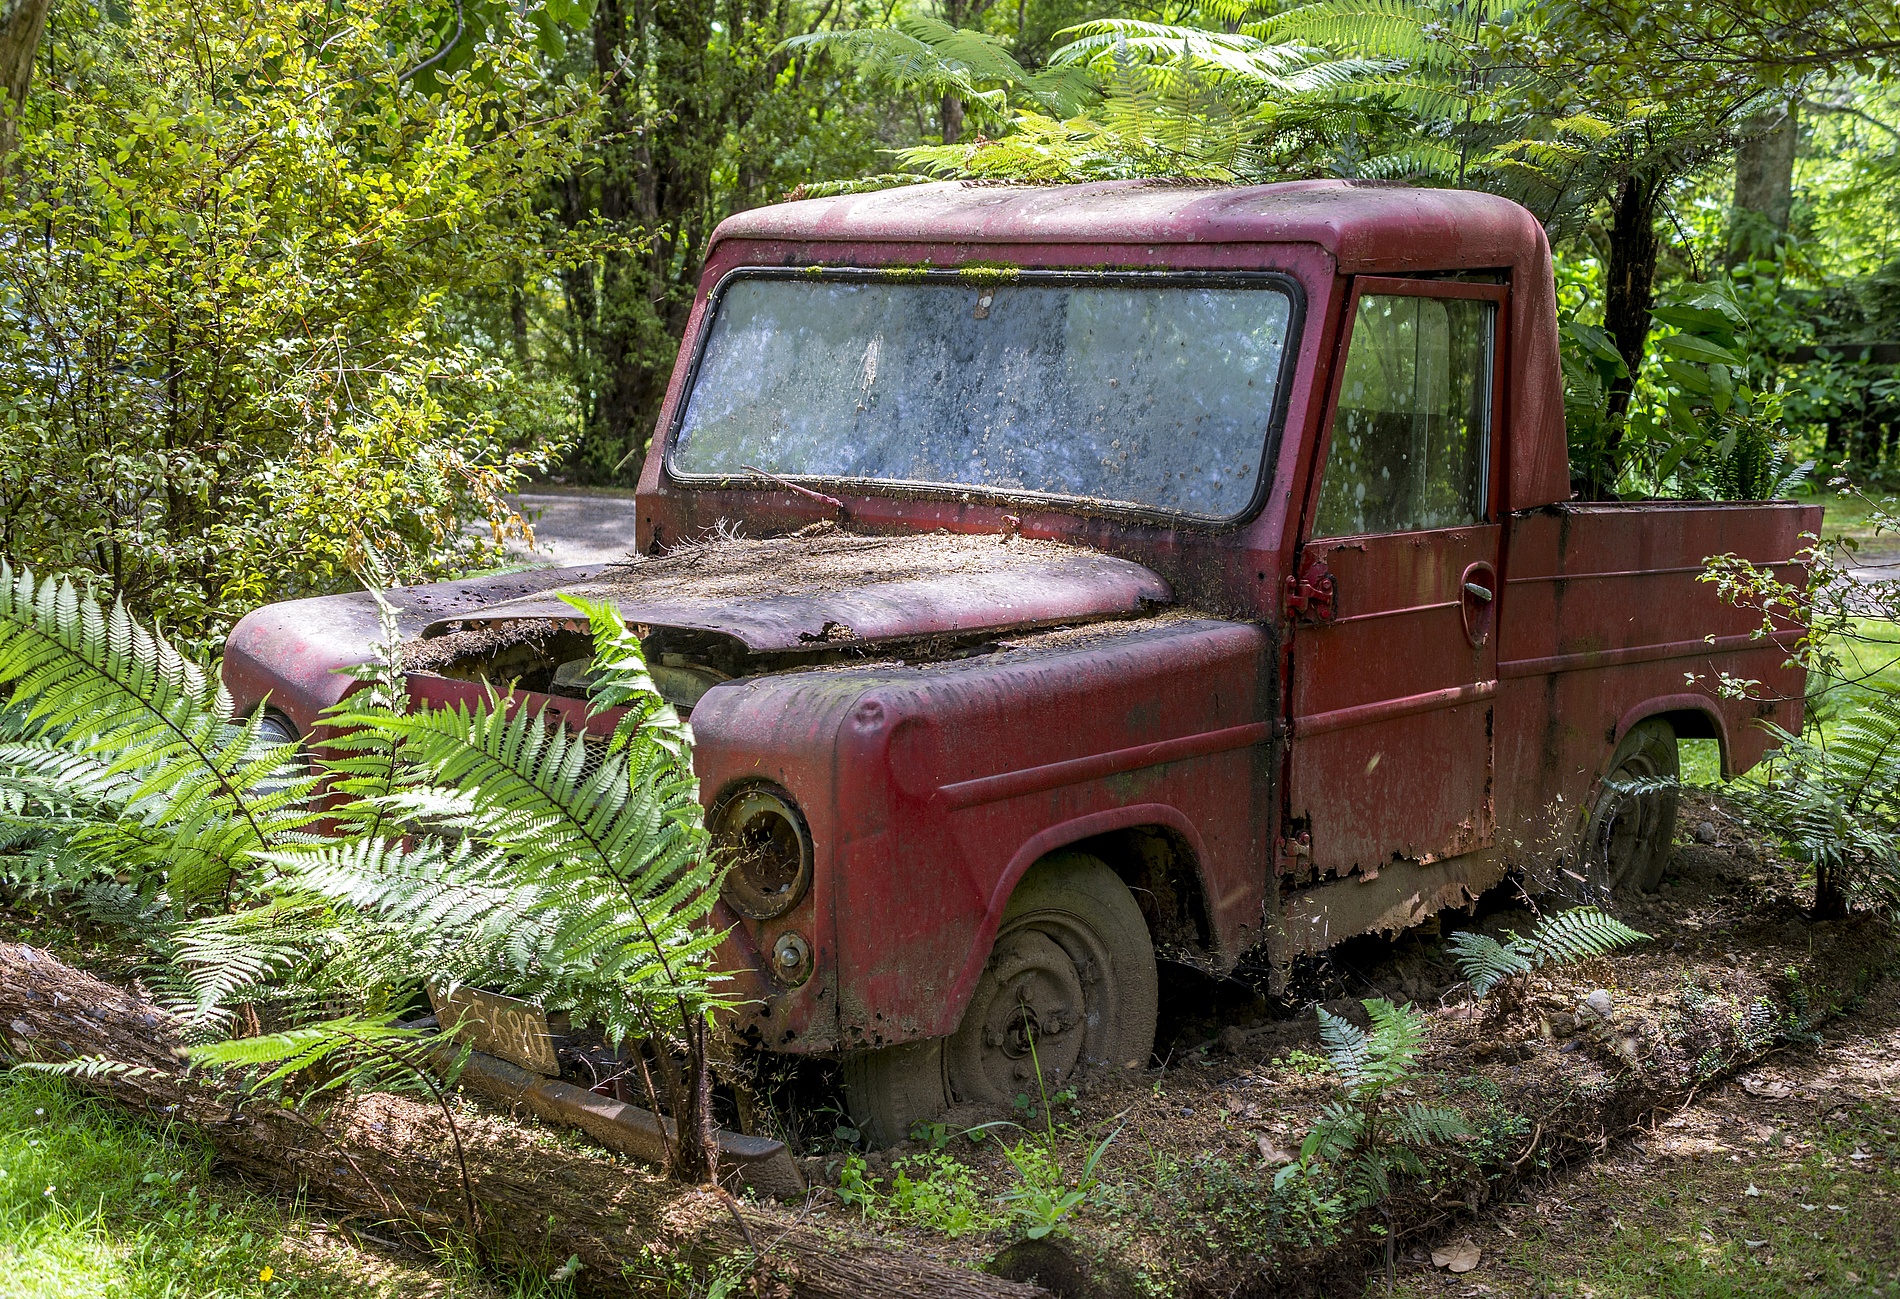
<point x="1159" y="395"/>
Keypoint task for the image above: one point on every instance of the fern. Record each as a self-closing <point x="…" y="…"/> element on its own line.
<point x="1834" y="802"/>
<point x="484" y="843"/>
<point x="523" y="853"/>
<point x="1485" y="962"/>
<point x="1563" y="939"/>
<point x="1361" y="1136"/>
<point x="923" y="54"/>
<point x="173" y="785"/>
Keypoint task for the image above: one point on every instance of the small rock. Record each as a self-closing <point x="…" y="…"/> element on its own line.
<point x="1599" y="1005"/>
<point x="1705" y="832"/>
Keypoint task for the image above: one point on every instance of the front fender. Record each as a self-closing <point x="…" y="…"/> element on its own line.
<point x="929" y="791"/>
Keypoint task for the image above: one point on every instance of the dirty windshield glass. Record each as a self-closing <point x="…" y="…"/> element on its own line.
<point x="1158" y="395"/>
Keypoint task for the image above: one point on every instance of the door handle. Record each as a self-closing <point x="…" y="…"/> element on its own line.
<point x="1477" y="601"/>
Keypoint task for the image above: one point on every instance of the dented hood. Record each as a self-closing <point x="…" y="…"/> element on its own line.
<point x="796" y="592"/>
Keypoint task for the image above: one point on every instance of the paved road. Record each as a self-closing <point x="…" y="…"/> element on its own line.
<point x="1876" y="567"/>
<point x="574" y="528"/>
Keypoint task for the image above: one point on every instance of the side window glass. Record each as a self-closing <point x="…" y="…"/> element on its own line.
<point x="1412" y="430"/>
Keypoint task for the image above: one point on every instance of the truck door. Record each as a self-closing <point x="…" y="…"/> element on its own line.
<point x="1393" y="664"/>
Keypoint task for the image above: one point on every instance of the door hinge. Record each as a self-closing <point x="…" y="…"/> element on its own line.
<point x="1309" y="594"/>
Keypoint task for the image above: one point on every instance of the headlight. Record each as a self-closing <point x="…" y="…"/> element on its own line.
<point x="275" y="731"/>
<point x="767" y="850"/>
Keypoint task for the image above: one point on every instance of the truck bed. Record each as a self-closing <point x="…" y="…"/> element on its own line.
<point x="1603" y="618"/>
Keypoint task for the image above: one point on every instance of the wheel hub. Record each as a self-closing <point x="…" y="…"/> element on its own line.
<point x="1028" y="1011"/>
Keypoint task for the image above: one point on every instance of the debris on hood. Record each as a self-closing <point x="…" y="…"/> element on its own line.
<point x="833" y="587"/>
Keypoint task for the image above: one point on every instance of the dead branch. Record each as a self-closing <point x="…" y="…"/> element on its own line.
<point x="393" y="1159"/>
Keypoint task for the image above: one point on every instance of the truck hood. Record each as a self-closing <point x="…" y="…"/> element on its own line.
<point x="826" y="587"/>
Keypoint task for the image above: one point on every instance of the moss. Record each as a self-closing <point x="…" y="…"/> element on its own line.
<point x="989" y="273"/>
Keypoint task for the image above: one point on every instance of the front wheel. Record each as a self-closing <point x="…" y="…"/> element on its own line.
<point x="1069" y="990"/>
<point x="1633" y="824"/>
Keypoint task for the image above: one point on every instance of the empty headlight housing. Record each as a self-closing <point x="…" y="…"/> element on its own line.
<point x="762" y="840"/>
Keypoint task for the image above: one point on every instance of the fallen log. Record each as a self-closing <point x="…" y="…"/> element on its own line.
<point x="394" y="1160"/>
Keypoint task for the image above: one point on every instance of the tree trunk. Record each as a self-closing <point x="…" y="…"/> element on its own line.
<point x="649" y="176"/>
<point x="950" y="118"/>
<point x="396" y="1160"/>
<point x="22" y="22"/>
<point x="1631" y="276"/>
<point x="1764" y="185"/>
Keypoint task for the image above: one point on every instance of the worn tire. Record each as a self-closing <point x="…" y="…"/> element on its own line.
<point x="1628" y="839"/>
<point x="1069" y="989"/>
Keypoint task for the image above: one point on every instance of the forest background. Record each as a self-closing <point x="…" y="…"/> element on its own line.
<point x="292" y="290"/>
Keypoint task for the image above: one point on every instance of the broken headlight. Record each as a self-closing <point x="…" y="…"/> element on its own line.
<point x="761" y="837"/>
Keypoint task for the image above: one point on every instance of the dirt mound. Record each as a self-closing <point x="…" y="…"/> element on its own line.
<point x="1187" y="1205"/>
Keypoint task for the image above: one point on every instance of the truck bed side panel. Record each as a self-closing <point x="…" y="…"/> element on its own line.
<point x="1604" y="622"/>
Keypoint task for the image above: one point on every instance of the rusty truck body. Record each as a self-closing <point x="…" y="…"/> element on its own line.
<point x="1063" y="577"/>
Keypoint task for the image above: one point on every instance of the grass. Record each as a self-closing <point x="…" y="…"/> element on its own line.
<point x="96" y="1203"/>
<point x="1851" y="517"/>
<point x="1819" y="1224"/>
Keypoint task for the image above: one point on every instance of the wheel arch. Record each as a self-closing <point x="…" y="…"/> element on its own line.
<point x="1135" y="841"/>
<point x="1693" y="717"/>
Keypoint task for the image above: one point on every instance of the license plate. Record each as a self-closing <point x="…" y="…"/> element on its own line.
<point x="508" y="1027"/>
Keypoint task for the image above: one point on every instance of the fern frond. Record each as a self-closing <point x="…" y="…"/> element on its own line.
<point x="96" y="683"/>
<point x="1416" y="1124"/>
<point x="1346" y="1045"/>
<point x="1397" y="1037"/>
<point x="86" y="1066"/>
<point x="1578" y="935"/>
<point x="1485" y="962"/>
<point x="363" y="1051"/>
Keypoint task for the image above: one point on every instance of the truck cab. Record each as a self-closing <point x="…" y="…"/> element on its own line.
<point x="1065" y="578"/>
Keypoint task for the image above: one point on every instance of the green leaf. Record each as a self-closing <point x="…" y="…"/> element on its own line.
<point x="1687" y="347"/>
<point x="1721" y="388"/>
<point x="1683" y="419"/>
<point x="1692" y="379"/>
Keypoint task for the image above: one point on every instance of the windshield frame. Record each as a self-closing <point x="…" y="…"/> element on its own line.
<point x="977" y="276"/>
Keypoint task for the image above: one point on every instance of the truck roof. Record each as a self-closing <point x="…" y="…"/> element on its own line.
<point x="1365" y="225"/>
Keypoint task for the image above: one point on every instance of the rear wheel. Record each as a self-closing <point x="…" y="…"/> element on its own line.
<point x="1069" y="990"/>
<point x="1633" y="825"/>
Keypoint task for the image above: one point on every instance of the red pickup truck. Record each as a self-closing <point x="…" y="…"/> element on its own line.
<point x="1059" y="578"/>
